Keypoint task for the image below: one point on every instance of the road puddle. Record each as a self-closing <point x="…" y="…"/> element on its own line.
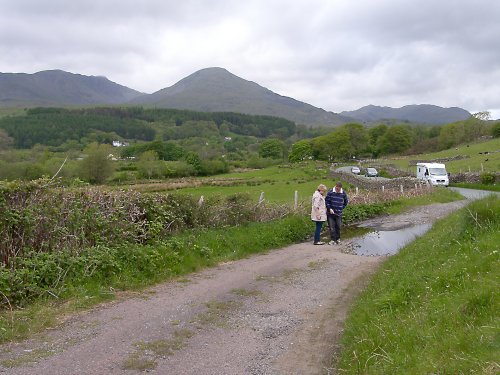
<point x="386" y="242"/>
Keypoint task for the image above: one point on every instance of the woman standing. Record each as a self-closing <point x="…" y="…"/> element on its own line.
<point x="318" y="212"/>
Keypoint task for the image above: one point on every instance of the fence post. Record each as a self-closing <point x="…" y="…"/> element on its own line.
<point x="415" y="186"/>
<point x="200" y="202"/>
<point x="469" y="168"/>
<point x="261" y="198"/>
<point x="482" y="168"/>
<point x="401" y="186"/>
<point x="296" y="200"/>
<point x="357" y="190"/>
<point x="383" y="188"/>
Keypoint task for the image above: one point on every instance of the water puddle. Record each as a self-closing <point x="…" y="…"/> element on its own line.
<point x="381" y="242"/>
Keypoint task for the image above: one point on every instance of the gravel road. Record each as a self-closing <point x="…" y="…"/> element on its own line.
<point x="277" y="313"/>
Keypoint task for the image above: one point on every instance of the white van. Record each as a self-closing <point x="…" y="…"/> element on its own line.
<point x="434" y="173"/>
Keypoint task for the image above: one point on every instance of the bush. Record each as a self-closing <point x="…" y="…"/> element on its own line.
<point x="487" y="178"/>
<point x="38" y="218"/>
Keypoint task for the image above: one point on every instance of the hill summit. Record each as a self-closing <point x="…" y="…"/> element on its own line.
<point x="218" y="90"/>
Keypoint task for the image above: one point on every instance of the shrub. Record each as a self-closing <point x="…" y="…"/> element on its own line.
<point x="487" y="178"/>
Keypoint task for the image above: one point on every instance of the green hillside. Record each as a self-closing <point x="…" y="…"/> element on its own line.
<point x="471" y="156"/>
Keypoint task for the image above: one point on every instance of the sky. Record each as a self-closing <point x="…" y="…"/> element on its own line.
<point x="338" y="55"/>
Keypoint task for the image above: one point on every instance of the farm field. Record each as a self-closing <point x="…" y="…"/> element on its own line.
<point x="278" y="183"/>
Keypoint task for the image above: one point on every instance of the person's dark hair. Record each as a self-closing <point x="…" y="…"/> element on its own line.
<point x="339" y="184"/>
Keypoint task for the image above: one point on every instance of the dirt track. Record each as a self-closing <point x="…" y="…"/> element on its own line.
<point x="278" y="313"/>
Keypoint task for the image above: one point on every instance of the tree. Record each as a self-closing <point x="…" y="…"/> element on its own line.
<point x="396" y="139"/>
<point x="495" y="130"/>
<point x="192" y="158"/>
<point x="358" y="138"/>
<point x="97" y="166"/>
<point x="301" y="150"/>
<point x="6" y="142"/>
<point x="149" y="165"/>
<point x="376" y="132"/>
<point x="333" y="146"/>
<point x="272" y="148"/>
<point x="484" y="115"/>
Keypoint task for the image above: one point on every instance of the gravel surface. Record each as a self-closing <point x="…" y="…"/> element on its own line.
<point x="277" y="313"/>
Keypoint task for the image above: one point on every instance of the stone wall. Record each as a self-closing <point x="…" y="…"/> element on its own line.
<point x="469" y="177"/>
<point x="375" y="183"/>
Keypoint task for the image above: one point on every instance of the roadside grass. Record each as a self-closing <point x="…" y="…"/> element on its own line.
<point x="433" y="307"/>
<point x="471" y="150"/>
<point x="129" y="268"/>
<point x="477" y="186"/>
<point x="438" y="195"/>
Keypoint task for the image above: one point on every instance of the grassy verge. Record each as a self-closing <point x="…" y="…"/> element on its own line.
<point x="438" y="195"/>
<point x="477" y="186"/>
<point x="433" y="308"/>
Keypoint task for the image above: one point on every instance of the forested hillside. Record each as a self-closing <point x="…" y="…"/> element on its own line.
<point x="55" y="126"/>
<point x="163" y="143"/>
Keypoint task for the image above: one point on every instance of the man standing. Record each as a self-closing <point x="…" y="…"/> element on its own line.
<point x="335" y="200"/>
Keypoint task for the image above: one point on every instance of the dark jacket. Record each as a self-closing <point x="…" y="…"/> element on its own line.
<point x="337" y="201"/>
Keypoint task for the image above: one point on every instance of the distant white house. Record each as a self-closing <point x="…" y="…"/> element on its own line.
<point x="119" y="143"/>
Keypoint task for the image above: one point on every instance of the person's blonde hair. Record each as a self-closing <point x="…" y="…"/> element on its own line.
<point x="322" y="187"/>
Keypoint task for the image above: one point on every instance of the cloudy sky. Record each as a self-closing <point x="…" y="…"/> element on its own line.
<point x="334" y="54"/>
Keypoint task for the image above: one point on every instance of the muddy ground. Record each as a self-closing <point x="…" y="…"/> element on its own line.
<point x="277" y="313"/>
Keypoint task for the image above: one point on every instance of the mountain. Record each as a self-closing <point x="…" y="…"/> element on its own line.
<point x="59" y="88"/>
<point x="421" y="114"/>
<point x="217" y="90"/>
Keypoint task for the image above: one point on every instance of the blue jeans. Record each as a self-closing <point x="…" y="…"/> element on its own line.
<point x="317" y="232"/>
<point x="334" y="223"/>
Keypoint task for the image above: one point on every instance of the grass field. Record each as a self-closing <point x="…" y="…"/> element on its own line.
<point x="278" y="183"/>
<point x="475" y="161"/>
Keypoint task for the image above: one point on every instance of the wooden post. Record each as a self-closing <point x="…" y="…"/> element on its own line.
<point x="383" y="188"/>
<point x="482" y="168"/>
<point x="261" y="198"/>
<point x="401" y="187"/>
<point x="296" y="200"/>
<point x="357" y="190"/>
<point x="200" y="202"/>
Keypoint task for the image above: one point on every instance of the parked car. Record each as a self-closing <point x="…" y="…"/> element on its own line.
<point x="371" y="172"/>
<point x="355" y="170"/>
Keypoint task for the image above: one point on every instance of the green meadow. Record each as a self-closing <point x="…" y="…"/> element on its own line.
<point x="278" y="183"/>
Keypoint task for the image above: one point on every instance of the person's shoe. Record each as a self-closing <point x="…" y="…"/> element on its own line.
<point x="332" y="242"/>
<point x="337" y="242"/>
<point x="319" y="243"/>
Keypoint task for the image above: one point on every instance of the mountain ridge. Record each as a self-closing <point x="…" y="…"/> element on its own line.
<point x="57" y="87"/>
<point x="212" y="89"/>
<point x="416" y="113"/>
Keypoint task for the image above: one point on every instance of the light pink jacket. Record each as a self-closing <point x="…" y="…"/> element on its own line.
<point x="318" y="207"/>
